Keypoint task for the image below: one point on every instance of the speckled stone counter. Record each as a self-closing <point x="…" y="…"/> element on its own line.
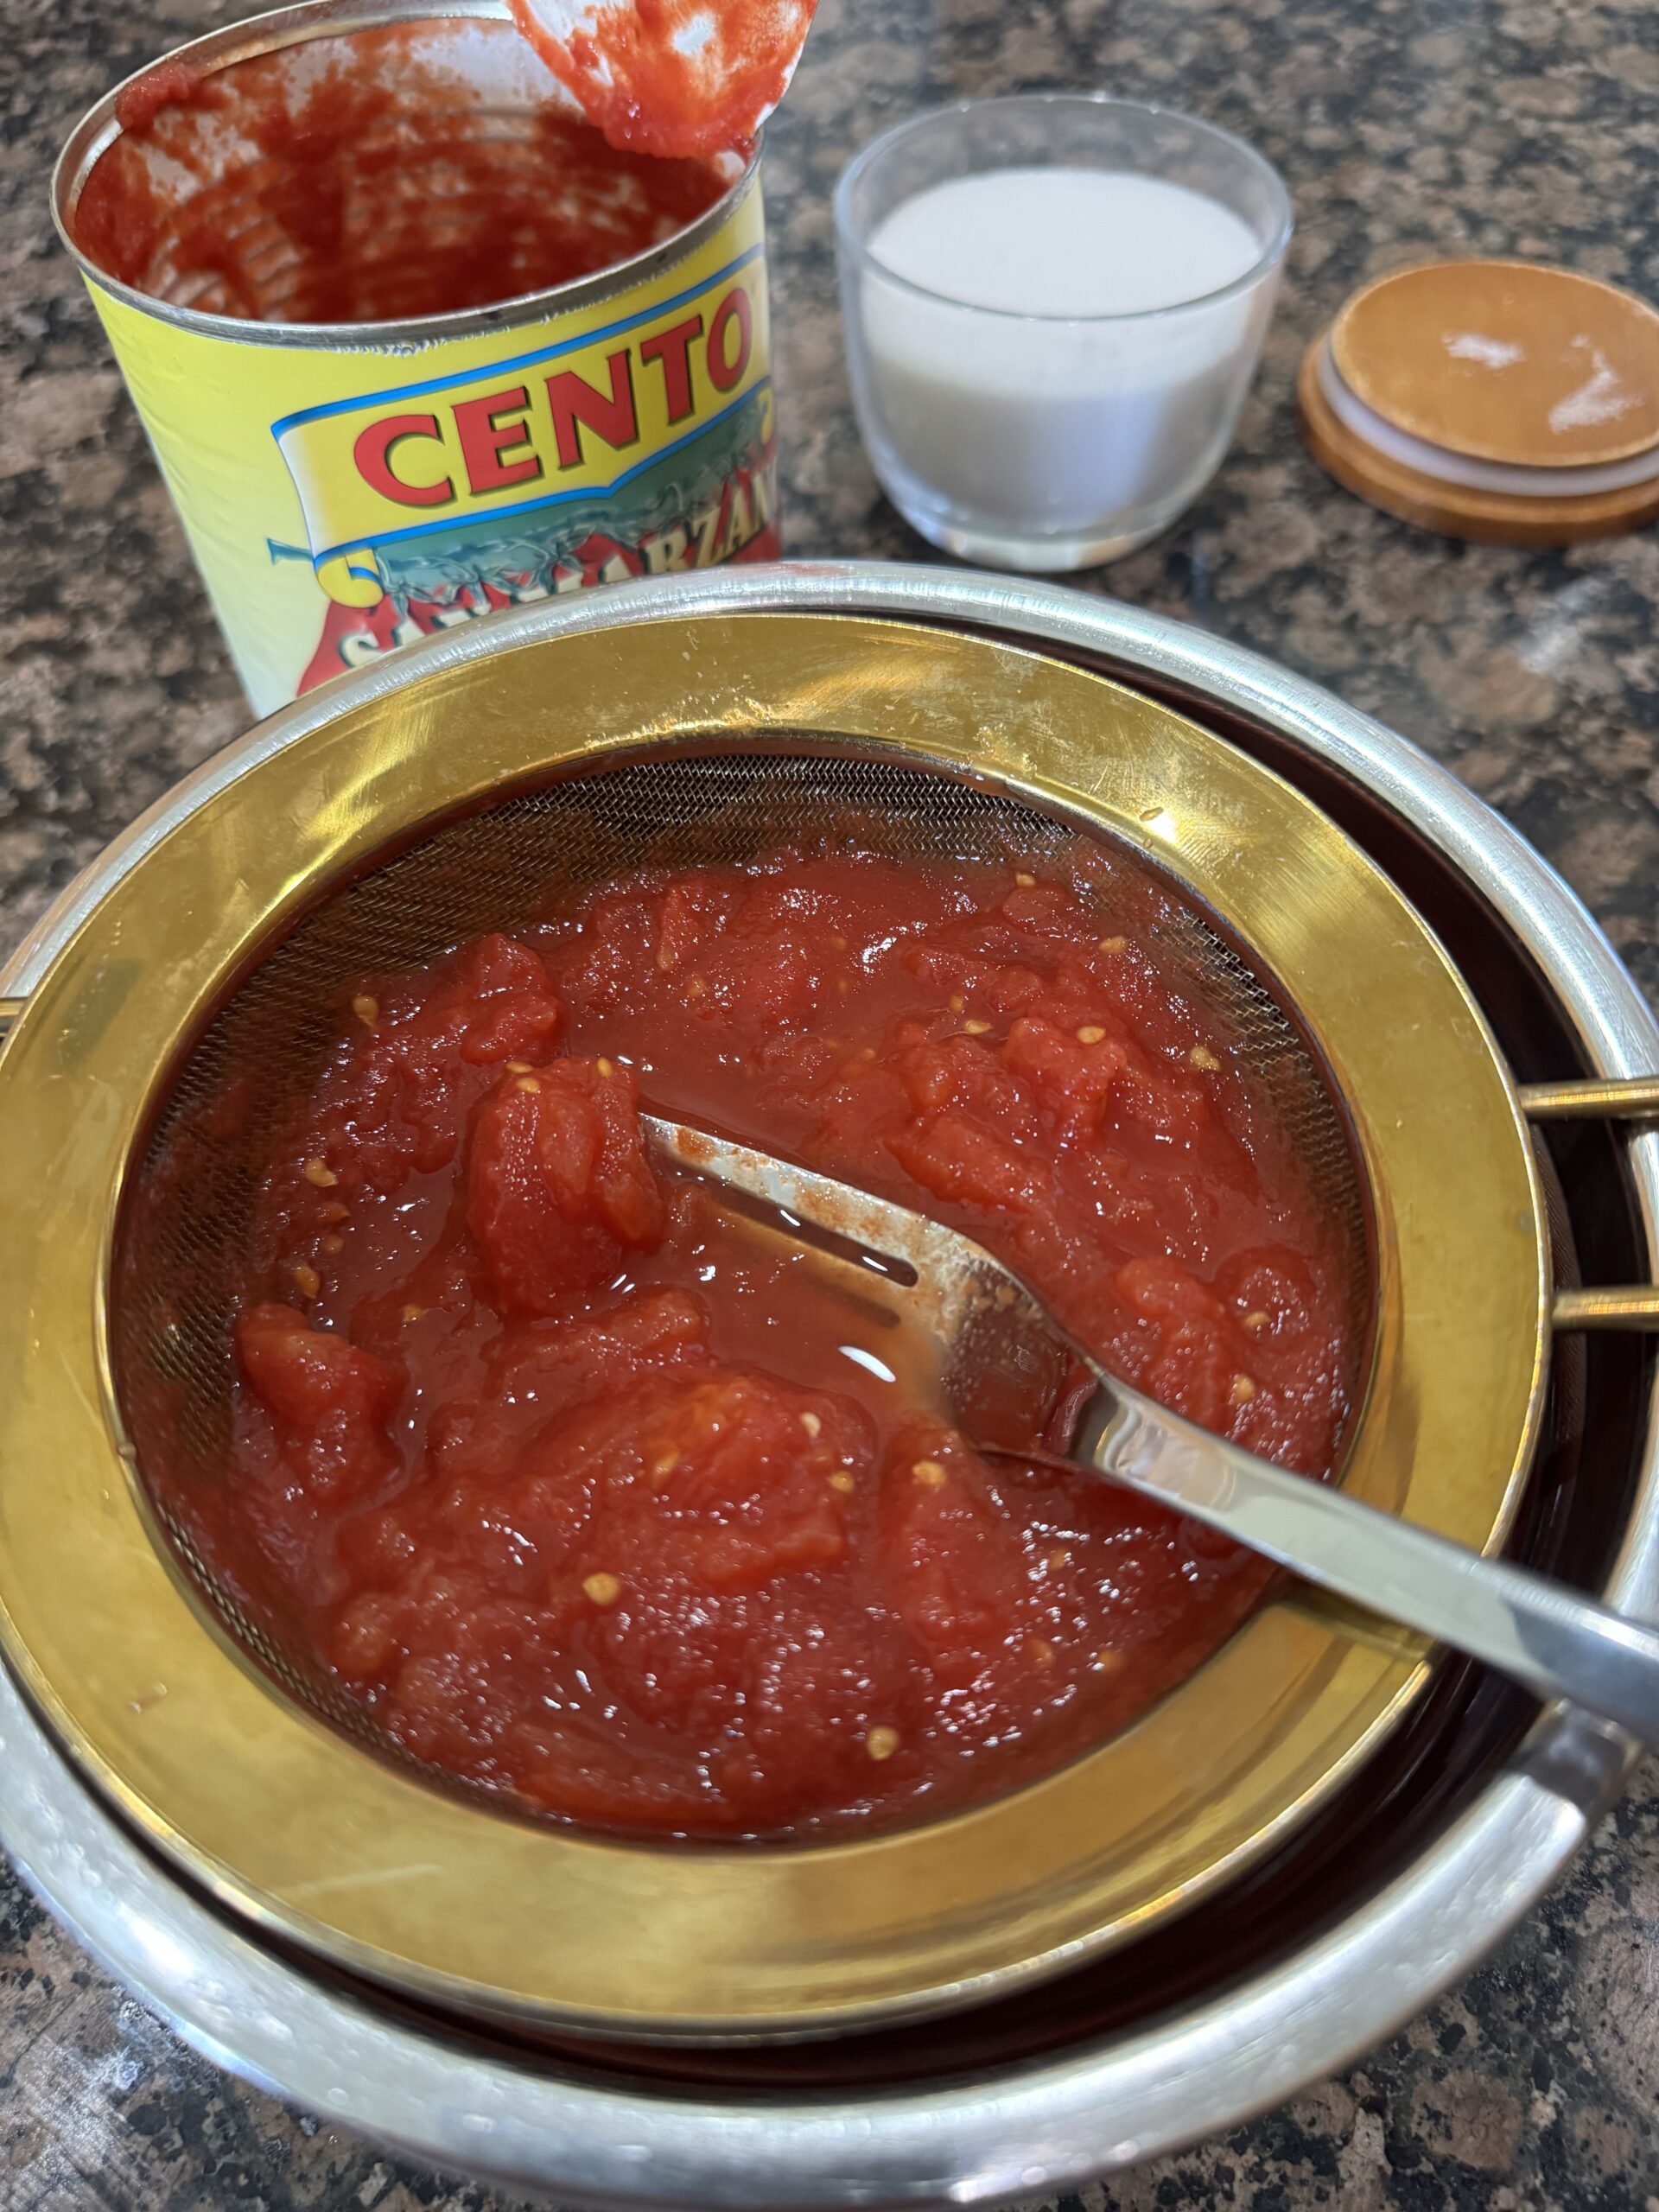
<point x="1406" y="128"/>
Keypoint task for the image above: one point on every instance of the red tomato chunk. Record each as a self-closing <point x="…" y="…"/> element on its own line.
<point x="597" y="1498"/>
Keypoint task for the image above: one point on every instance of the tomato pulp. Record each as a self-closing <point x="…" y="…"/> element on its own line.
<point x="673" y="77"/>
<point x="594" y="1497"/>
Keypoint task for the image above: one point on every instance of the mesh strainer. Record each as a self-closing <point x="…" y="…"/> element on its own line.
<point x="181" y="1269"/>
<point x="427" y="806"/>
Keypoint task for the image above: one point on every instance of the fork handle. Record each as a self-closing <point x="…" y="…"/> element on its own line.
<point x="1535" y="1631"/>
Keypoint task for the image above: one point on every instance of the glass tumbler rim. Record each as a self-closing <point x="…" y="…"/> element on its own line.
<point x="854" y="247"/>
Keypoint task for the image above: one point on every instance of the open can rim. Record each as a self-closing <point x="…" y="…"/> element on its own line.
<point x="270" y="33"/>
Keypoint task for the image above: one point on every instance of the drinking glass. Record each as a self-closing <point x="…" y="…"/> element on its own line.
<point x="1050" y="442"/>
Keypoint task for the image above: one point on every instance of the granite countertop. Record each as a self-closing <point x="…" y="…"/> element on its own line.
<point x="1406" y="128"/>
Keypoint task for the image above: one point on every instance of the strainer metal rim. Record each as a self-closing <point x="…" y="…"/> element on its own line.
<point x="1063" y="2120"/>
<point x="810" y="664"/>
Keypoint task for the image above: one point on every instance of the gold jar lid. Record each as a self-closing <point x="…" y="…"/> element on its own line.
<point x="1494" y="399"/>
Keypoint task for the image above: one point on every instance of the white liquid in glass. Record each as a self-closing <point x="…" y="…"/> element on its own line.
<point x="1009" y="387"/>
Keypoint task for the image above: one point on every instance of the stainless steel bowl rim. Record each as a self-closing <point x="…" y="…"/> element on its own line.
<point x="1044" y="2125"/>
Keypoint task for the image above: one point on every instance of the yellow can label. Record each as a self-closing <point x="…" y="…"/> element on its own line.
<point x="342" y="501"/>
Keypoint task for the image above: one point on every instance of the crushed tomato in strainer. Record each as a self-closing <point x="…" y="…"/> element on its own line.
<point x="525" y="1467"/>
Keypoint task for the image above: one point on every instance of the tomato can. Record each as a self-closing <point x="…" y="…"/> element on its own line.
<point x="348" y="487"/>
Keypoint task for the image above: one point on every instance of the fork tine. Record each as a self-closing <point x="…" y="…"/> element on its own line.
<point x="1001" y="1351"/>
<point x="880" y="1228"/>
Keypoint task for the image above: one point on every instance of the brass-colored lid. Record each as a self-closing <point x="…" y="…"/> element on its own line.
<point x="299" y="1828"/>
<point x="1505" y="361"/>
<point x="1459" y="510"/>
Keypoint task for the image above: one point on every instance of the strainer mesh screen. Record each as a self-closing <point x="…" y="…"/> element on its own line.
<point x="190" y="1209"/>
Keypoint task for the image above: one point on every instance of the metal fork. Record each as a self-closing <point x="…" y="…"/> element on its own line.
<point x="999" y="1352"/>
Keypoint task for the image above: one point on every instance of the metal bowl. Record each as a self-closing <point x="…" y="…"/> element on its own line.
<point x="1472" y="1813"/>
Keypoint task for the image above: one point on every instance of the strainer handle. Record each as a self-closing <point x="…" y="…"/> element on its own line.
<point x="1618" y="1098"/>
<point x="1539" y="1634"/>
<point x="1615" y="1098"/>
